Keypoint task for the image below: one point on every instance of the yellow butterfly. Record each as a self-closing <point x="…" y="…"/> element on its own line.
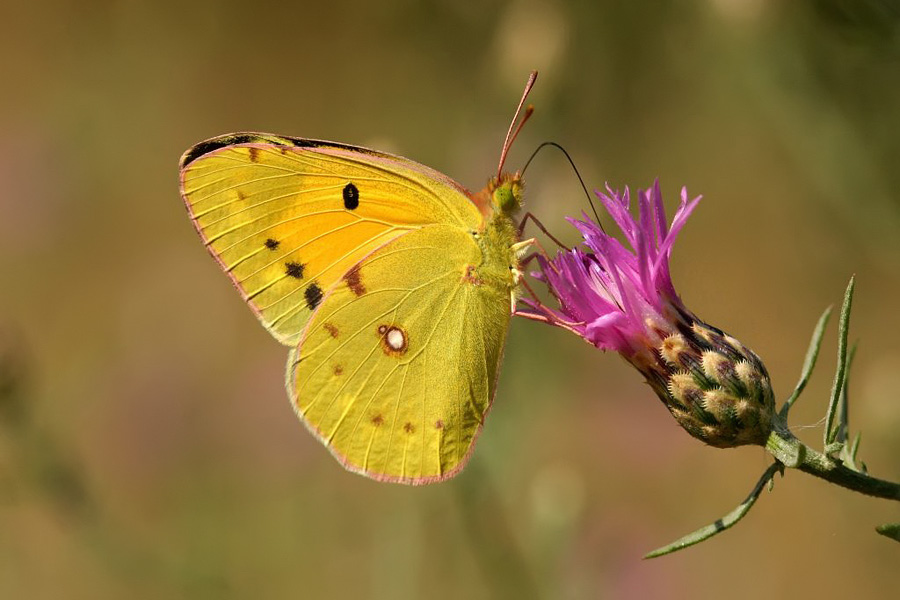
<point x="391" y="283"/>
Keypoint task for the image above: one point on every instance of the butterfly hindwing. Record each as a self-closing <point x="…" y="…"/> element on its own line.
<point x="397" y="369"/>
<point x="287" y="218"/>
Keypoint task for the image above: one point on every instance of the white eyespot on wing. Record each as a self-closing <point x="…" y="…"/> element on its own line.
<point x="394" y="340"/>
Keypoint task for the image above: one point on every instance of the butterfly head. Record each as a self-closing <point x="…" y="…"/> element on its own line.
<point x="506" y="193"/>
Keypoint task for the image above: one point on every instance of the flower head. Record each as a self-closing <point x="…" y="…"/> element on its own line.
<point x="621" y="298"/>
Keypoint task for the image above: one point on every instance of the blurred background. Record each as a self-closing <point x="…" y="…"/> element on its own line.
<point x="147" y="447"/>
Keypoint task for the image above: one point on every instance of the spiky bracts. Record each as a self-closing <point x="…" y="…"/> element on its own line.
<point x="716" y="388"/>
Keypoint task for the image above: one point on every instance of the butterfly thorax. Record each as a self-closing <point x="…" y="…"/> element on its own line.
<point x="498" y="235"/>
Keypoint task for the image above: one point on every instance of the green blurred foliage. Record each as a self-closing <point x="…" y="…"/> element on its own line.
<point x="155" y="455"/>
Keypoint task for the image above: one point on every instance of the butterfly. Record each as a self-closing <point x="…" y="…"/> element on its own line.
<point x="392" y="285"/>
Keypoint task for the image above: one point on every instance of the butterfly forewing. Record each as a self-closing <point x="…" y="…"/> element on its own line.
<point x="288" y="218"/>
<point x="397" y="369"/>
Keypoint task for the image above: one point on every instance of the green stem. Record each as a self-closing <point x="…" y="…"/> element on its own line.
<point x="794" y="454"/>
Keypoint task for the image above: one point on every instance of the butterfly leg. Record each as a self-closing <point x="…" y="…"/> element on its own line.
<point x="519" y="249"/>
<point x="573" y="327"/>
<point x="540" y="226"/>
<point x="519" y="278"/>
<point x="547" y="314"/>
<point x="527" y="260"/>
<point x="540" y="253"/>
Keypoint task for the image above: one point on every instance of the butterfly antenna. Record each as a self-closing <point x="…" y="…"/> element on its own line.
<point x="574" y="168"/>
<point x="513" y="130"/>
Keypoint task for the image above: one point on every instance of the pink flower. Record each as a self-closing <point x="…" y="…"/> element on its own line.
<point x="621" y="298"/>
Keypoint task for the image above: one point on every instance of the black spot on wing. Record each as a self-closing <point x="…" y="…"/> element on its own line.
<point x="313" y="295"/>
<point x="294" y="269"/>
<point x="272" y="243"/>
<point x="351" y="197"/>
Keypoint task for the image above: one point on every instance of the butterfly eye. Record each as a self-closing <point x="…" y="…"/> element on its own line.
<point x="503" y="198"/>
<point x="507" y="196"/>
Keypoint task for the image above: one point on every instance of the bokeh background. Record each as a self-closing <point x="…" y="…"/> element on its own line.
<point x="147" y="448"/>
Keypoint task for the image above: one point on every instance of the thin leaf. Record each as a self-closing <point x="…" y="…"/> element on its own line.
<point x="855" y="447"/>
<point x="843" y="426"/>
<point x="841" y="372"/>
<point x="812" y="353"/>
<point x="891" y="530"/>
<point x="704" y="533"/>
